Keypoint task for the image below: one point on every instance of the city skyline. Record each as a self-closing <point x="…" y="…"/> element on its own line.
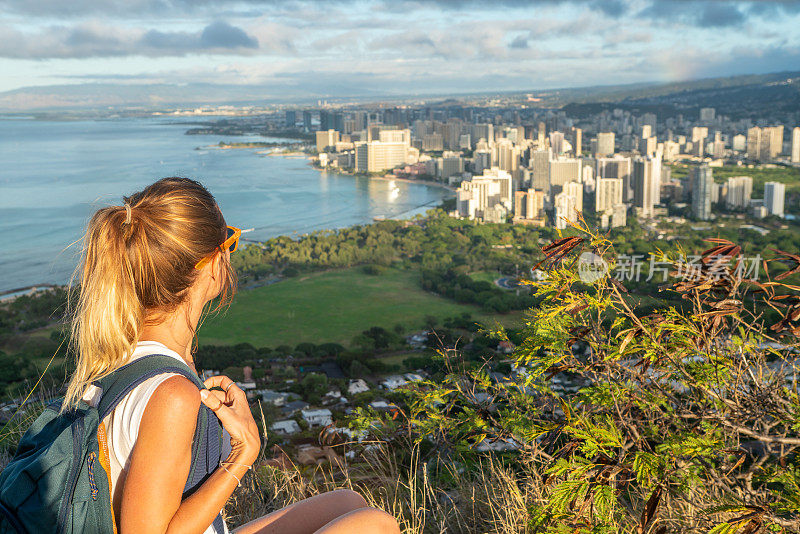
<point x="359" y="48"/>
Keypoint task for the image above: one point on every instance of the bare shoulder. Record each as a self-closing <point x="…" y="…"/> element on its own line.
<point x="176" y="399"/>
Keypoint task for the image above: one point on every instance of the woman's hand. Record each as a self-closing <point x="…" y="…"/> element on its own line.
<point x="230" y="406"/>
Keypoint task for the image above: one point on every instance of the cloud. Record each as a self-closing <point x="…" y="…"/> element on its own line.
<point x="95" y="39"/>
<point x="718" y="15"/>
<point x="222" y="35"/>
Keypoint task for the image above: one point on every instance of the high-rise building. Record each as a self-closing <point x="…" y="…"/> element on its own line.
<point x="650" y="166"/>
<point x="508" y="156"/>
<point x="576" y="138"/>
<point x="485" y="197"/>
<point x="504" y="179"/>
<point x="565" y="211"/>
<point x="707" y="114"/>
<point x="615" y="217"/>
<point x="529" y="206"/>
<point x="774" y="193"/>
<point x="481" y="159"/>
<point x="605" y="143"/>
<point x="433" y="142"/>
<point x="326" y="138"/>
<point x="739" y="189"/>
<point x="702" y="184"/>
<point x="796" y="145"/>
<point x="557" y="142"/>
<point x="608" y="193"/>
<point x="395" y="136"/>
<point x="540" y="170"/>
<point x="564" y="170"/>
<point x="699" y="133"/>
<point x="482" y="131"/>
<point x="617" y="167"/>
<point x="754" y="143"/>
<point x="646" y="184"/>
<point x="771" y="142"/>
<point x="647" y="145"/>
<point x="452" y="164"/>
<point x="764" y="144"/>
<point x="291" y="118"/>
<point x="739" y="143"/>
<point x="379" y="156"/>
<point x="307" y="120"/>
<point x="575" y="190"/>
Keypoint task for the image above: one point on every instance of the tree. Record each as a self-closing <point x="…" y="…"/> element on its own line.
<point x="676" y="419"/>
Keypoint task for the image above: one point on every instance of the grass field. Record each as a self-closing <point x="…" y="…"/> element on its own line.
<point x="332" y="306"/>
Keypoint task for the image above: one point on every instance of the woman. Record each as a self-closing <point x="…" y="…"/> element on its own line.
<point x="149" y="269"/>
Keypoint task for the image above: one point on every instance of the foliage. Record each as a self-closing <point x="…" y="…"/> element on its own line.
<point x="679" y="419"/>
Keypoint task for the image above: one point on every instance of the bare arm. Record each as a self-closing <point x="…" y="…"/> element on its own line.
<point x="161" y="458"/>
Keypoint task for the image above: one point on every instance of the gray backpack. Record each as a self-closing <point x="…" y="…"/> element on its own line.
<point x="56" y="483"/>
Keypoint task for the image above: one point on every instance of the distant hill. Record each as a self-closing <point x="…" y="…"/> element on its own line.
<point x="756" y="96"/>
<point x="748" y="94"/>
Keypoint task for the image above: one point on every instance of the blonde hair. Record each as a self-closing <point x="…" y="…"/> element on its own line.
<point x="138" y="261"/>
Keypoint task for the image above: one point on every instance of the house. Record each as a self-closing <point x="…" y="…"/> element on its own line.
<point x="246" y="386"/>
<point x="381" y="405"/>
<point x="291" y="408"/>
<point x="285" y="427"/>
<point x="393" y="382"/>
<point x="357" y="386"/>
<point x="317" y="417"/>
<point x="418" y="340"/>
<point x="276" y="398"/>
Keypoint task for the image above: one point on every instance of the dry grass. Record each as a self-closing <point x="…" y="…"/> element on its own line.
<point x="490" y="497"/>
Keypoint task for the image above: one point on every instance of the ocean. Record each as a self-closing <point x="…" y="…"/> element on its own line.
<point x="55" y="174"/>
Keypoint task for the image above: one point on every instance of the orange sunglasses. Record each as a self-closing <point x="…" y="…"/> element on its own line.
<point x="230" y="244"/>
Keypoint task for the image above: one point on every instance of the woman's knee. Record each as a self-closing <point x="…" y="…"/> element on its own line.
<point x="349" y="499"/>
<point x="364" y="521"/>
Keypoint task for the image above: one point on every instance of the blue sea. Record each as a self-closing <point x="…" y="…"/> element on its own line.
<point x="55" y="174"/>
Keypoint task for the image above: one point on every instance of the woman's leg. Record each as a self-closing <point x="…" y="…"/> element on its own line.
<point x="363" y="520"/>
<point x="308" y="515"/>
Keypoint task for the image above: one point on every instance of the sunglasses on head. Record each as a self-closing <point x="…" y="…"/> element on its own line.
<point x="230" y="244"/>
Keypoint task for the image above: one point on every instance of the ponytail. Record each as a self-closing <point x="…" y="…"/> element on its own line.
<point x="138" y="261"/>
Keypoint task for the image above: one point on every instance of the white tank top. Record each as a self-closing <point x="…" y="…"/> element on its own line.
<point x="122" y="425"/>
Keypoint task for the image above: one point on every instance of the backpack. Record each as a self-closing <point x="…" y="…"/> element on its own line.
<point x="59" y="478"/>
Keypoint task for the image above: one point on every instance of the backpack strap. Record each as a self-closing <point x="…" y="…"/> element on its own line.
<point x="121" y="382"/>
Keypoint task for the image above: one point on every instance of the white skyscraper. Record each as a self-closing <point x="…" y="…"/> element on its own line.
<point x="774" y="193"/>
<point x="565" y="211"/>
<point x="617" y="167"/>
<point x="575" y="190"/>
<point x="486" y="197"/>
<point x="796" y="145"/>
<point x="739" y="191"/>
<point x="608" y="193"/>
<point x="646" y="184"/>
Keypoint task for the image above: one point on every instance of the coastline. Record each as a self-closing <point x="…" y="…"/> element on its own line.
<point x="273" y="152"/>
<point x="390" y="177"/>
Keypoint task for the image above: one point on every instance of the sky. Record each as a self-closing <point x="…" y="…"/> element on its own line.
<point x="340" y="47"/>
